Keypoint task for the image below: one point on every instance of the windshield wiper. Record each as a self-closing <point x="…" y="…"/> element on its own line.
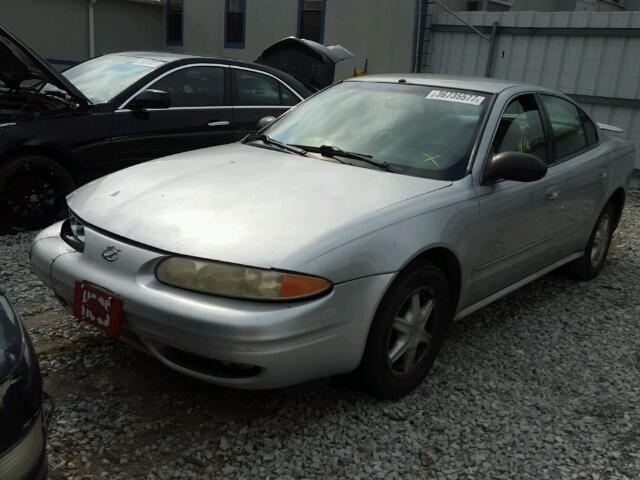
<point x="334" y="152"/>
<point x="275" y="143"/>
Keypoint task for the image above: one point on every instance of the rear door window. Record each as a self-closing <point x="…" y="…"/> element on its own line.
<point x="256" y="89"/>
<point x="288" y="98"/>
<point x="566" y="126"/>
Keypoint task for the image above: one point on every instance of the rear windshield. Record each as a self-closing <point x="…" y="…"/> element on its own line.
<point x="103" y="78"/>
<point x="418" y="130"/>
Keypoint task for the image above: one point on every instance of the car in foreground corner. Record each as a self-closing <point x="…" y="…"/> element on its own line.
<point x="22" y="434"/>
<point x="346" y="235"/>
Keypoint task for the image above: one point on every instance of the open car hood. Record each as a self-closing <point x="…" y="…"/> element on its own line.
<point x="20" y="64"/>
<point x="309" y="62"/>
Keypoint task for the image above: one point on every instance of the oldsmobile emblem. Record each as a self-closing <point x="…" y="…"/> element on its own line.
<point x="110" y="254"/>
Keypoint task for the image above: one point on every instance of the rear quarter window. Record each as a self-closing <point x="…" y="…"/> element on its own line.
<point x="589" y="129"/>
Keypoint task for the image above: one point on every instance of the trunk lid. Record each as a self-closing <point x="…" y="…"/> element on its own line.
<point x="311" y="63"/>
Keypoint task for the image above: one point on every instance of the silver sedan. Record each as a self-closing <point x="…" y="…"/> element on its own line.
<point x="346" y="235"/>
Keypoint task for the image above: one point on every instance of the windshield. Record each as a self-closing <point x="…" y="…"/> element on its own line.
<point x="417" y="130"/>
<point x="102" y="78"/>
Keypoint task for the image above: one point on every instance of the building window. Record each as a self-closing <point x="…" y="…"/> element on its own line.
<point x="174" y="22"/>
<point x="235" y="12"/>
<point x="311" y="20"/>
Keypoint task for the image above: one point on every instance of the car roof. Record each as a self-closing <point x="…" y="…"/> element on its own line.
<point x="481" y="84"/>
<point x="170" y="57"/>
<point x="159" y="56"/>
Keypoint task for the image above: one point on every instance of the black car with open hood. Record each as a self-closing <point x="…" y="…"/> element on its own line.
<point x="24" y="73"/>
<point x="60" y="130"/>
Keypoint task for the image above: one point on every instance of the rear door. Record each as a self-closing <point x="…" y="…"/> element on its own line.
<point x="256" y="95"/>
<point x="200" y="116"/>
<point x="579" y="171"/>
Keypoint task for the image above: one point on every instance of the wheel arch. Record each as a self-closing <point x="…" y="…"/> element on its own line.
<point x="618" y="199"/>
<point x="45" y="151"/>
<point x="445" y="259"/>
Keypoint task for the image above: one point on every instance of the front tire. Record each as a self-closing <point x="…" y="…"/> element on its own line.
<point x="407" y="332"/>
<point x="32" y="193"/>
<point x="589" y="265"/>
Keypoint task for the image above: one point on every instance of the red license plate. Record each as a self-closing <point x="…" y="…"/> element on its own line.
<point x="98" y="307"/>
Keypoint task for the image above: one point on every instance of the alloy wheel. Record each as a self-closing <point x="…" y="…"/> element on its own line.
<point x="411" y="335"/>
<point x="33" y="195"/>
<point x="601" y="240"/>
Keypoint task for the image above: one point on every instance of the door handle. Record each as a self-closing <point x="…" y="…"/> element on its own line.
<point x="222" y="123"/>
<point x="552" y="194"/>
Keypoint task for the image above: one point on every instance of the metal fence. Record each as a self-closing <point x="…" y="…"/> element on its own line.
<point x="593" y="57"/>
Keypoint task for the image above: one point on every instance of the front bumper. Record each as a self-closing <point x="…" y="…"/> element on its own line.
<point x="223" y="341"/>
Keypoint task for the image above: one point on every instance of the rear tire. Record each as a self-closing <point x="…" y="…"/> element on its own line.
<point x="407" y="332"/>
<point x="32" y="193"/>
<point x="589" y="265"/>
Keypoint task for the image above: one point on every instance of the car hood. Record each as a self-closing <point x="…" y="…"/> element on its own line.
<point x="241" y="204"/>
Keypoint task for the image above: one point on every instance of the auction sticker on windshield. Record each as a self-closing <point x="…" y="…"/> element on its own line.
<point x="457" y="97"/>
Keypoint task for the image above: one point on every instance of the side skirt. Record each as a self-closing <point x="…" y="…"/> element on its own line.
<point x="513" y="287"/>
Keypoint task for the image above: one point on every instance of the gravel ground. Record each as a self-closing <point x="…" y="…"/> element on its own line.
<point x="542" y="384"/>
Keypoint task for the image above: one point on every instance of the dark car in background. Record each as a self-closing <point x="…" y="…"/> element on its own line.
<point x="22" y="434"/>
<point x="58" y="131"/>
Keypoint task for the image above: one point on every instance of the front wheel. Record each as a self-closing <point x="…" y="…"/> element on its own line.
<point x="590" y="264"/>
<point x="32" y="193"/>
<point x="407" y="332"/>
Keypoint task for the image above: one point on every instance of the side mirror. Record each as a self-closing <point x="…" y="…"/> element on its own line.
<point x="517" y="166"/>
<point x="151" y="98"/>
<point x="265" y="121"/>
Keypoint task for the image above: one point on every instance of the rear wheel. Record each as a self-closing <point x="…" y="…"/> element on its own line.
<point x="32" y="193"/>
<point x="407" y="332"/>
<point x="590" y="264"/>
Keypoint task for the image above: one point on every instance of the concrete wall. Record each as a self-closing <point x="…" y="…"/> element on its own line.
<point x="381" y="31"/>
<point x="126" y="25"/>
<point x="59" y="29"/>
<point x="55" y="29"/>
<point x="267" y="21"/>
<point x="378" y="30"/>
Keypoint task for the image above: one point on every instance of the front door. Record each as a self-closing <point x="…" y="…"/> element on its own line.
<point x="517" y="220"/>
<point x="200" y="116"/>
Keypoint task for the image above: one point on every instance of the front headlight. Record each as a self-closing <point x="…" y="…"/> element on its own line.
<point x="76" y="226"/>
<point x="236" y="281"/>
<point x="72" y="232"/>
